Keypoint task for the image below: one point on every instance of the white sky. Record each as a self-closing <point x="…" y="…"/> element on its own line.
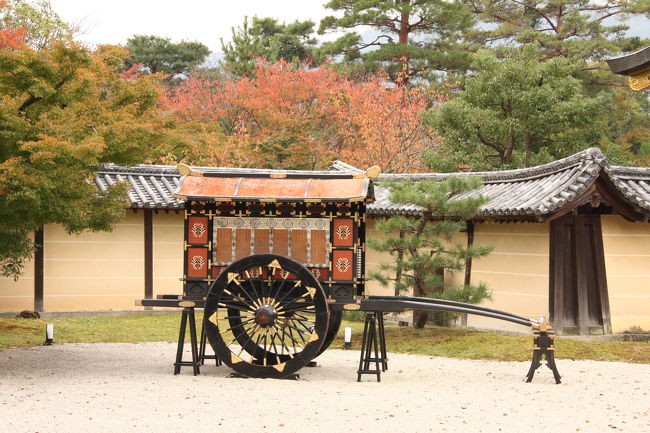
<point x="114" y="21"/>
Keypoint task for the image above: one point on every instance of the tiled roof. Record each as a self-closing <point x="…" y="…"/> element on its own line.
<point x="153" y="186"/>
<point x="533" y="192"/>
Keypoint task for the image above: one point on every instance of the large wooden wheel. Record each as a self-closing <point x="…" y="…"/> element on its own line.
<point x="266" y="316"/>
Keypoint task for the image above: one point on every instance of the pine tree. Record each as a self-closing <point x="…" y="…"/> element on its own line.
<point x="415" y="39"/>
<point x="267" y="39"/>
<point x="423" y="246"/>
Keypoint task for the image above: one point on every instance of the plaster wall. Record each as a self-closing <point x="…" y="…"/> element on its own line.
<point x="627" y="262"/>
<point x="18" y="295"/>
<point x="516" y="271"/>
<point x="95" y="270"/>
<point x="374" y="259"/>
<point x="167" y="253"/>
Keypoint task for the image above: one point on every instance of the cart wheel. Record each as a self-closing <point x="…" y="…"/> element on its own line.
<point x="332" y="330"/>
<point x="276" y="320"/>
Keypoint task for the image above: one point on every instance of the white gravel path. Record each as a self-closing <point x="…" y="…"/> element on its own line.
<point x="130" y="387"/>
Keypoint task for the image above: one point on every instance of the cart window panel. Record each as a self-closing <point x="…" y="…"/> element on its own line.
<point x="224" y="245"/>
<point x="299" y="246"/>
<point x="262" y="242"/>
<point x="281" y="242"/>
<point x="238" y="236"/>
<point x="318" y="247"/>
<point x="242" y="243"/>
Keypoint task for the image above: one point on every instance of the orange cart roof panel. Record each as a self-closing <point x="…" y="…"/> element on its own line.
<point x="264" y="189"/>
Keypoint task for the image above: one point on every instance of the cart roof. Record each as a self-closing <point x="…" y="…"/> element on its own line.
<point x="274" y="187"/>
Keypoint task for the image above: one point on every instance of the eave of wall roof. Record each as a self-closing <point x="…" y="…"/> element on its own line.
<point x="630" y="63"/>
<point x="535" y="193"/>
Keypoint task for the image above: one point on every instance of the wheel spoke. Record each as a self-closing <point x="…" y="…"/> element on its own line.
<point x="252" y="284"/>
<point x="237" y="326"/>
<point x="236" y="307"/>
<point x="298" y="284"/>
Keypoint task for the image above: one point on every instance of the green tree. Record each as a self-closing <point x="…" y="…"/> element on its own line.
<point x="423" y="246"/>
<point x="162" y="55"/>
<point x="516" y="112"/>
<point x="415" y="38"/>
<point x="268" y="39"/>
<point x="586" y="32"/>
<point x="64" y="110"/>
<point x="41" y="24"/>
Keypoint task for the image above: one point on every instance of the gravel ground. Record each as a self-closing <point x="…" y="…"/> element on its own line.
<point x="130" y="387"/>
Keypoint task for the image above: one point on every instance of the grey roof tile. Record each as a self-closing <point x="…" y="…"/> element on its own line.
<point x="529" y="192"/>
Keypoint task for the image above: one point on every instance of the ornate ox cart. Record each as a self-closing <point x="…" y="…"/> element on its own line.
<point x="274" y="258"/>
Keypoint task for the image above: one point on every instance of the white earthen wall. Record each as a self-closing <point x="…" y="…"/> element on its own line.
<point x="627" y="262"/>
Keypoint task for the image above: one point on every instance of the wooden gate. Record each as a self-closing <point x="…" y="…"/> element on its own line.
<point x="578" y="299"/>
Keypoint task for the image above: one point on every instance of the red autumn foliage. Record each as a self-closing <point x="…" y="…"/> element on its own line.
<point x="305" y="117"/>
<point x="10" y="37"/>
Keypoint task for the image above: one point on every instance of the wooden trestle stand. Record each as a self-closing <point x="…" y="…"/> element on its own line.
<point x="374" y="339"/>
<point x="198" y="349"/>
<point x="543" y="347"/>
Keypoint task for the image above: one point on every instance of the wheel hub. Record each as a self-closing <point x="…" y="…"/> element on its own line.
<point x="265" y="316"/>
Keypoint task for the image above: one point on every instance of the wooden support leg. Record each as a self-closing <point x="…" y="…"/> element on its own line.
<point x="363" y="349"/>
<point x="195" y="353"/>
<point x="181" y="343"/>
<point x="187" y="316"/>
<point x="382" y="341"/>
<point x="550" y="362"/>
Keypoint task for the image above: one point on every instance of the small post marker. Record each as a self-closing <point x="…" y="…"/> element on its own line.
<point x="49" y="334"/>
<point x="347" y="338"/>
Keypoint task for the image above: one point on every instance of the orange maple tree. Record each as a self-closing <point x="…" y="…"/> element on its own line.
<point x="303" y="118"/>
<point x="9" y="36"/>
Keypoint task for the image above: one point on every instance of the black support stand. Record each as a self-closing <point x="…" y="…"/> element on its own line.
<point x="543" y="347"/>
<point x="187" y="316"/>
<point x="373" y="340"/>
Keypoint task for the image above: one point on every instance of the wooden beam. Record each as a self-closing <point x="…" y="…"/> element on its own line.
<point x="38" y="269"/>
<point x="148" y="255"/>
<point x="468" y="265"/>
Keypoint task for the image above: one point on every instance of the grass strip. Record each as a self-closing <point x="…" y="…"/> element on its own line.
<point x="432" y="341"/>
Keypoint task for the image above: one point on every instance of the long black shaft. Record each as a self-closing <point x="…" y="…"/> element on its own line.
<point x="446" y="302"/>
<point x="396" y="304"/>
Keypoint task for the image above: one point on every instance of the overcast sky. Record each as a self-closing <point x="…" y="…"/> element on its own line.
<point x="114" y="21"/>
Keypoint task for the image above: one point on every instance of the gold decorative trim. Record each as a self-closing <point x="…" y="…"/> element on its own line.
<point x="186" y="170"/>
<point x="186" y="304"/>
<point x="232" y="276"/>
<point x="640" y="80"/>
<point x="280" y="367"/>
<point x="234" y="358"/>
<point x="274" y="264"/>
<point x="314" y="337"/>
<point x="352" y="307"/>
<point x="312" y="291"/>
<point x="277" y="175"/>
<point x="373" y="172"/>
<point x="213" y="318"/>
